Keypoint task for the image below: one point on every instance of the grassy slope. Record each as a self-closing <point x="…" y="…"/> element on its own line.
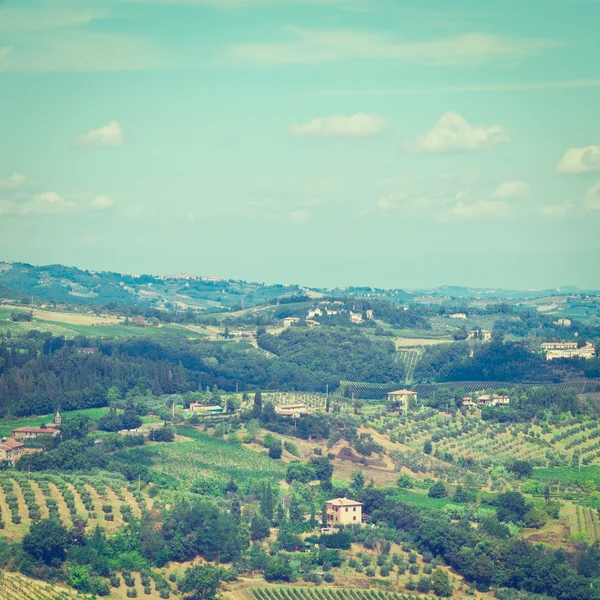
<point x="201" y="456"/>
<point x="6" y="426"/>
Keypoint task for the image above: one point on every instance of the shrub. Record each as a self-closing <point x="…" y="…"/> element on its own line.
<point x="370" y="572"/>
<point x="132" y="593"/>
<point x="328" y="577"/>
<point x="413" y="569"/>
<point x="384" y="571"/>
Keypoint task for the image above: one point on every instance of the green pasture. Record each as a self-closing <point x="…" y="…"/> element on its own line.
<point x="201" y="456"/>
<point x="6" y="425"/>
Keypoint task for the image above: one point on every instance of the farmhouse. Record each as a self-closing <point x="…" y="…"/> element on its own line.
<point x="289" y="321"/>
<point x="85" y="351"/>
<point x="486" y="400"/>
<point x="356" y="317"/>
<point x="458" y="316"/>
<point x="403" y="396"/>
<point x="480" y="334"/>
<point x="493" y="400"/>
<point x="344" y="511"/>
<point x="29" y="433"/>
<point x="369" y="314"/>
<point x="11" y="450"/>
<point x="568" y="350"/>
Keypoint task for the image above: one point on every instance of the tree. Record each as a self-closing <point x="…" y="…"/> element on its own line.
<point x="201" y="582"/>
<point x="512" y="506"/>
<point x="47" y="540"/>
<point x="405" y="481"/>
<point x="427" y="447"/>
<point x="295" y="511"/>
<point x="464" y="494"/>
<point x="113" y="396"/>
<point x="440" y="583"/>
<point x="253" y="428"/>
<point x="260" y="528"/>
<point x="424" y="585"/>
<point x="131" y="420"/>
<point x="298" y="471"/>
<point x="256" y="411"/>
<point x="437" y="490"/>
<point x="236" y="510"/>
<point x="275" y="450"/>
<point x="322" y="466"/>
<point x="266" y="501"/>
<point x="358" y="480"/>
<point x="522" y="469"/>
<point x="324" y="521"/>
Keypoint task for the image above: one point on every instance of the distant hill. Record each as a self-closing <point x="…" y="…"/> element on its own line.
<point x="59" y="283"/>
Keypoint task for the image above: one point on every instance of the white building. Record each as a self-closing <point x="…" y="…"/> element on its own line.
<point x="356" y="317"/>
<point x="289" y="321"/>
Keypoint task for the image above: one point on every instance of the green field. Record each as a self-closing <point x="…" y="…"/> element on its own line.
<point x="202" y="456"/>
<point x="123" y="331"/>
<point x="422" y="500"/>
<point x="569" y="474"/>
<point x="6" y="426"/>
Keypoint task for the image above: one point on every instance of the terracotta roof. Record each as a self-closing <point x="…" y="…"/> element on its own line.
<point x="33" y="430"/>
<point x="11" y="445"/>
<point x="402" y="393"/>
<point x="343" y="502"/>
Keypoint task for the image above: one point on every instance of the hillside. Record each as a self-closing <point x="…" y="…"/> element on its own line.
<point x="59" y="283"/>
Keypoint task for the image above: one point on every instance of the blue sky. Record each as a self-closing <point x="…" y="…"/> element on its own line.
<point x="395" y="143"/>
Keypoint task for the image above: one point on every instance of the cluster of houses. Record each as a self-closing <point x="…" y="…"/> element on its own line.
<point x="323" y="308"/>
<point x="291" y="411"/>
<point x="12" y="448"/>
<point x="480" y="334"/>
<point x="568" y="350"/>
<point x="403" y="397"/>
<point x="482" y="399"/>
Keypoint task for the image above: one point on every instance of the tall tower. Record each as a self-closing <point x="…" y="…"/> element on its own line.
<point x="57" y="418"/>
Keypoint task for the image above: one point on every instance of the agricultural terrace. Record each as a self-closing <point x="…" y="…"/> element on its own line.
<point x="306" y="593"/>
<point x="198" y="458"/>
<point x="106" y="500"/>
<point x="470" y="442"/>
<point x="584" y="523"/>
<point x="14" y="586"/>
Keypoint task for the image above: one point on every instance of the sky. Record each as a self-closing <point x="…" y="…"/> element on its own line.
<point x="389" y="143"/>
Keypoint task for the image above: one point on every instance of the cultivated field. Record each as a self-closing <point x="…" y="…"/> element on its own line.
<point x="99" y="499"/>
<point x="201" y="457"/>
<point x="14" y="586"/>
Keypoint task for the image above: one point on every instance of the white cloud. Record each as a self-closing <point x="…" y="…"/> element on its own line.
<point x="454" y="134"/>
<point x="6" y="207"/>
<point x="109" y="135"/>
<point x="512" y="189"/>
<point x="358" y="125"/>
<point x="461" y="89"/>
<point x="49" y="202"/>
<point x="81" y="49"/>
<point x="13" y="182"/>
<point x="592" y="197"/>
<point x="45" y="18"/>
<point x="299" y="216"/>
<point x="579" y="160"/>
<point x="317" y="46"/>
<point x="557" y="211"/>
<point x="4" y="52"/>
<point x="481" y="210"/>
<point x="102" y="203"/>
